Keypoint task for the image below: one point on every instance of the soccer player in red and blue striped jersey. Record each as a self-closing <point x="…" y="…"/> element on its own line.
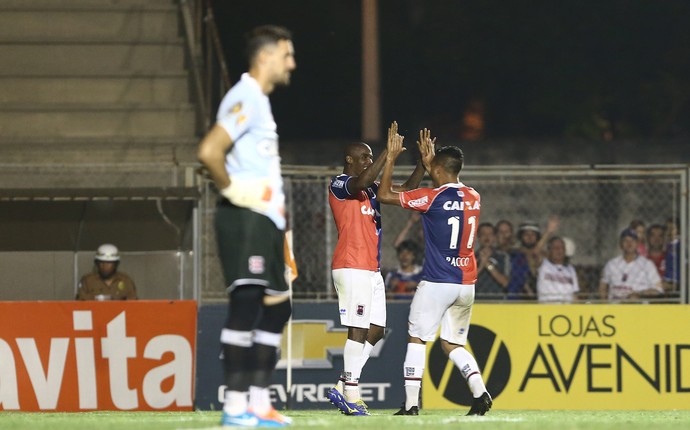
<point x="356" y="271"/>
<point x="450" y="216"/>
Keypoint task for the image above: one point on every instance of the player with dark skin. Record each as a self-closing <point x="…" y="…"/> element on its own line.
<point x="356" y="265"/>
<point x="360" y="164"/>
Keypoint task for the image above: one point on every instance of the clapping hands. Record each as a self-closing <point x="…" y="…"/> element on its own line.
<point x="426" y="147"/>
<point x="425" y="144"/>
<point x="395" y="142"/>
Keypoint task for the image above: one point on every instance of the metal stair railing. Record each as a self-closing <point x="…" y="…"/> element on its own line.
<point x="208" y="64"/>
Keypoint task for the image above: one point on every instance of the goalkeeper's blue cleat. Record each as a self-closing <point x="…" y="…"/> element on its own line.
<point x="246" y="419"/>
<point x="273" y="418"/>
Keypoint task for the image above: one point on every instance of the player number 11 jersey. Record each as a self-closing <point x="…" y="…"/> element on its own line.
<point x="450" y="217"/>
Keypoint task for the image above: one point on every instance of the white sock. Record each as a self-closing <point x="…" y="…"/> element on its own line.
<point x="352" y="359"/>
<point x="352" y="393"/>
<point x="235" y="402"/>
<point x="412" y="395"/>
<point x="366" y="351"/>
<point x="259" y="400"/>
<point x="340" y="385"/>
<point x="413" y="371"/>
<point x="470" y="370"/>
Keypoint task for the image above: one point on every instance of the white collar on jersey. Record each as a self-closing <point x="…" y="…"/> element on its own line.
<point x="452" y="185"/>
<point x="246" y="77"/>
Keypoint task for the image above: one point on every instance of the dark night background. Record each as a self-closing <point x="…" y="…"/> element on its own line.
<point x="542" y="70"/>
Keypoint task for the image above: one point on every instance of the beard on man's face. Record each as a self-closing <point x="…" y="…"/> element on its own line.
<point x="529" y="245"/>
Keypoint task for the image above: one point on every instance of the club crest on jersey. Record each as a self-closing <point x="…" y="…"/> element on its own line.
<point x="236" y="108"/>
<point x="256" y="264"/>
<point x="461" y="194"/>
<point x="454" y="205"/>
<point x="418" y="202"/>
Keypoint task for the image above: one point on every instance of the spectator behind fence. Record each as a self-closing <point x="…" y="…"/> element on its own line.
<point x="639" y="227"/>
<point x="401" y="283"/>
<point x="557" y="279"/>
<point x="522" y="279"/>
<point x="105" y="282"/>
<point x="493" y="265"/>
<point x="505" y="236"/>
<point x="672" y="259"/>
<point x="629" y="276"/>
<point x="411" y="229"/>
<point x="506" y="242"/>
<point x="656" y="250"/>
<point x="525" y="262"/>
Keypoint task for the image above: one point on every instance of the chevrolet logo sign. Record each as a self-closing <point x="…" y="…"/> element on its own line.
<point x="315" y="343"/>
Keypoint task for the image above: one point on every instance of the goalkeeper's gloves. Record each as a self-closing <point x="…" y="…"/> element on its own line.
<point x="248" y="193"/>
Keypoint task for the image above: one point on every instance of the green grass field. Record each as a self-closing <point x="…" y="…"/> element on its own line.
<point x="380" y="420"/>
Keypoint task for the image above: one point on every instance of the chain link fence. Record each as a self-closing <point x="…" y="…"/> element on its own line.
<point x="593" y="205"/>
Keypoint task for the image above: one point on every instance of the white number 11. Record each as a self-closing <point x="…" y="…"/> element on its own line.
<point x="454" y="223"/>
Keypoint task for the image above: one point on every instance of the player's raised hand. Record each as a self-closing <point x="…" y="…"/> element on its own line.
<point x="392" y="130"/>
<point x="395" y="142"/>
<point x="426" y="147"/>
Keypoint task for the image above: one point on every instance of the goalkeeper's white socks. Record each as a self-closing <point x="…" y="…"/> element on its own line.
<point x="259" y="400"/>
<point x="236" y="402"/>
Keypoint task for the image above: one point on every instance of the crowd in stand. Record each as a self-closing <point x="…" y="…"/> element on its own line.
<point x="533" y="264"/>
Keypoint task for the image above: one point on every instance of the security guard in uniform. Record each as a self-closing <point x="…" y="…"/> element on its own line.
<point x="106" y="283"/>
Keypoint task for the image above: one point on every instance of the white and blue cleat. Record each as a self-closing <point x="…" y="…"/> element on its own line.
<point x="250" y="419"/>
<point x="358" y="408"/>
